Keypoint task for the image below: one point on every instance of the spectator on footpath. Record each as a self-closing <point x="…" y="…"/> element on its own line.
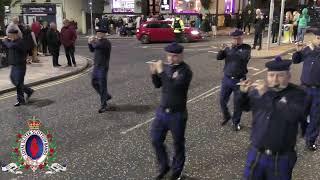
<point x="43" y="38"/>
<point x="289" y="22"/>
<point x="36" y="28"/>
<point x="303" y="20"/>
<point x="54" y="44"/>
<point x="248" y="19"/>
<point x="239" y="20"/>
<point x="30" y="43"/>
<point x="139" y="21"/>
<point x="259" y="28"/>
<point x="198" y="21"/>
<point x="296" y="16"/>
<point x="68" y="37"/>
<point x="227" y="19"/>
<point x="14" y="25"/>
<point x="275" y="29"/>
<point x="214" y="26"/>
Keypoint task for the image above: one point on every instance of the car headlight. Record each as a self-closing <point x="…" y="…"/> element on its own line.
<point x="195" y="32"/>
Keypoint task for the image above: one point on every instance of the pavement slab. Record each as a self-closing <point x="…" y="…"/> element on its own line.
<point x="43" y="72"/>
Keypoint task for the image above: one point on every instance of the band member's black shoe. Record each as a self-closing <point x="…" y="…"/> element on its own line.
<point x="175" y="176"/>
<point x="19" y="104"/>
<point x="311" y="147"/>
<point x="162" y="174"/>
<point x="225" y="120"/>
<point x="29" y="95"/>
<point x="236" y="127"/>
<point x="103" y="109"/>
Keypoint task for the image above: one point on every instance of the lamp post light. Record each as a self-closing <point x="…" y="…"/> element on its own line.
<point x="91" y="19"/>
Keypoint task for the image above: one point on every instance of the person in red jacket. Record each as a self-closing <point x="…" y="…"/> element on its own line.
<point x="36" y="28"/>
<point x="68" y="38"/>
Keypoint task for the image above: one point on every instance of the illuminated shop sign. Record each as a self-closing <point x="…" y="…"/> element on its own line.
<point x="126" y="6"/>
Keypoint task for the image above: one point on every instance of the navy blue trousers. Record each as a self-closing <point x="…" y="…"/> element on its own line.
<point x="313" y="110"/>
<point x="17" y="79"/>
<point x="228" y="86"/>
<point x="260" y="166"/>
<point x="176" y="123"/>
<point x="99" y="83"/>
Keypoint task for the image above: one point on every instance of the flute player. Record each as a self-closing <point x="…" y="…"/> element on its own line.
<point x="277" y="109"/>
<point x="235" y="69"/>
<point x="310" y="80"/>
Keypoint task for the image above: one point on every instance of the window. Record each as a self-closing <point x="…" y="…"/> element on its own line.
<point x="187" y="6"/>
<point x="165" y="25"/>
<point x="154" y="25"/>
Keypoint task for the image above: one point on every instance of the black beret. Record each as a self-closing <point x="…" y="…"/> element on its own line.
<point x="13" y="31"/>
<point x="174" y="48"/>
<point x="278" y="64"/>
<point x="236" y="33"/>
<point x="316" y="32"/>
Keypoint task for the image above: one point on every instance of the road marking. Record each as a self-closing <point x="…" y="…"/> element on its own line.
<point x="252" y="68"/>
<point x="49" y="84"/>
<point x="149" y="120"/>
<point x="195" y="99"/>
<point x="259" y="72"/>
<point x="215" y="52"/>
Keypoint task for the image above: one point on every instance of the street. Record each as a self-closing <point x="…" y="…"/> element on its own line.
<point x="116" y="144"/>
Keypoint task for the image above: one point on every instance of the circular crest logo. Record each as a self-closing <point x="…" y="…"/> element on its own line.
<point x="34" y="145"/>
<point x="34" y="149"/>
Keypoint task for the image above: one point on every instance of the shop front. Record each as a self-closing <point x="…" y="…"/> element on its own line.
<point x="38" y="12"/>
<point x="123" y="6"/>
<point x="186" y="6"/>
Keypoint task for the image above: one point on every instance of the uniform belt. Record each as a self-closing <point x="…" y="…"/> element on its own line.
<point x="170" y="110"/>
<point x="236" y="77"/>
<point x="270" y="152"/>
<point x="312" y="86"/>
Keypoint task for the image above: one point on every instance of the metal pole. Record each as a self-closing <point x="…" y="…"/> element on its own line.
<point x="283" y="2"/>
<point x="270" y="23"/>
<point x="217" y="12"/>
<point x="91" y="19"/>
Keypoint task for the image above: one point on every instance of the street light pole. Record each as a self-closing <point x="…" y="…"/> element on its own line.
<point x="270" y="23"/>
<point x="91" y="19"/>
<point x="281" y="20"/>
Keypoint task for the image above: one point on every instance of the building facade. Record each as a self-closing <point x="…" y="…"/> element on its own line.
<point x="51" y="11"/>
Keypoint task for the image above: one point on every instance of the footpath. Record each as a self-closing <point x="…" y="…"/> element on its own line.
<point x="42" y="72"/>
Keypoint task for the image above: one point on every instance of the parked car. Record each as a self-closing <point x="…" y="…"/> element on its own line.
<point x="161" y="31"/>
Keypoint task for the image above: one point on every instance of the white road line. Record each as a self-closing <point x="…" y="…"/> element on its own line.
<point x="195" y="99"/>
<point x="215" y="52"/>
<point x="49" y="84"/>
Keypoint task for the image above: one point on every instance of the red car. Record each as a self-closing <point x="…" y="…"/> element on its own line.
<point x="161" y="31"/>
